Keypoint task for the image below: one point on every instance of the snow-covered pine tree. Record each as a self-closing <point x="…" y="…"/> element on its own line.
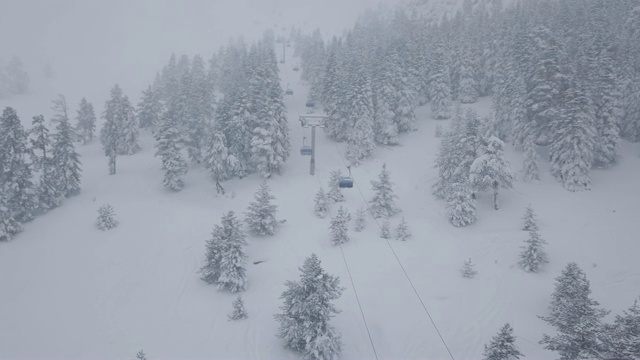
<point x="530" y="220"/>
<point x="361" y="219"/>
<point x="141" y="355"/>
<point x="217" y="159"/>
<point x="360" y="136"/>
<point x="576" y="317"/>
<point x="225" y="259"/>
<point x="261" y="214"/>
<point x="402" y="231"/>
<point x="403" y="105"/>
<point x="48" y="196"/>
<point x="622" y="338"/>
<point x="168" y="140"/>
<point x="110" y="134"/>
<point x="385" y="229"/>
<point x="468" y="92"/>
<point x="530" y="170"/>
<point x="468" y="269"/>
<point x="9" y="226"/>
<point x="382" y="204"/>
<point x="307" y="309"/>
<point x="106" y="218"/>
<point x="339" y="227"/>
<point x="573" y="144"/>
<point x="149" y="109"/>
<point x="16" y="184"/>
<point x="461" y="206"/>
<point x="606" y="102"/>
<point x="502" y="346"/>
<point x="491" y="171"/>
<point x="128" y="128"/>
<point x="239" y="311"/>
<point x="335" y="194"/>
<point x="385" y="129"/>
<point x="533" y="255"/>
<point x="321" y="204"/>
<point x="64" y="158"/>
<point x="440" y="89"/>
<point x="236" y="121"/>
<point x="86" y="121"/>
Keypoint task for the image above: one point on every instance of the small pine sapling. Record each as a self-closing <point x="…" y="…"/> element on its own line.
<point x="339" y="227"/>
<point x="361" y="219"/>
<point x="402" y="231"/>
<point x="468" y="269"/>
<point x="141" y="355"/>
<point x="239" y="311"/>
<point x="106" y="218"/>
<point x="321" y="208"/>
<point x="461" y="206"/>
<point x="530" y="221"/>
<point x="261" y="215"/>
<point x="533" y="256"/>
<point x="385" y="231"/>
<point x="502" y="346"/>
<point x="382" y="203"/>
<point x="335" y="195"/>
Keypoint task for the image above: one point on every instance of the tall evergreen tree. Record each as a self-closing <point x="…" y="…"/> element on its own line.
<point x="622" y="338"/>
<point x="529" y="220"/>
<point x="47" y="192"/>
<point x="402" y="231"/>
<point x="217" y="159"/>
<point x="339" y="227"/>
<point x="468" y="92"/>
<point x="533" y="256"/>
<point x="86" y="121"/>
<point x="321" y="204"/>
<point x="382" y="204"/>
<point x="261" y="214"/>
<point x="65" y="159"/>
<point x="110" y="134"/>
<point x="128" y="128"/>
<point x="335" y="194"/>
<point x="440" y="90"/>
<point x="502" y="346"/>
<point x="491" y="170"/>
<point x="307" y="309"/>
<point x="360" y="137"/>
<point x="226" y="258"/>
<point x="530" y="170"/>
<point x="149" y="109"/>
<point x="461" y="206"/>
<point x="168" y="148"/>
<point x="576" y="317"/>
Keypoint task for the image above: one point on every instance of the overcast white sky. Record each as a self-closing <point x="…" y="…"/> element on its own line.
<point x="102" y="42"/>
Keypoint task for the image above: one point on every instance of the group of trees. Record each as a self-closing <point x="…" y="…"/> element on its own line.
<point x="14" y="79"/>
<point x="38" y="170"/>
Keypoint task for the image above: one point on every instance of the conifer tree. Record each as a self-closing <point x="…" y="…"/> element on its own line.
<point x="47" y="193"/>
<point x="622" y="338"/>
<point x="402" y="231"/>
<point x="382" y="203"/>
<point x="440" y="90"/>
<point x="606" y="102"/>
<point x="217" y="159"/>
<point x="576" y="317"/>
<point x="239" y="311"/>
<point x="468" y="92"/>
<point x="65" y="159"/>
<point x="321" y="204"/>
<point x="491" y="170"/>
<point x="468" y="269"/>
<point x="530" y="221"/>
<point x="261" y="215"/>
<point x="128" y="128"/>
<point x="16" y="186"/>
<point x="360" y="136"/>
<point x="110" y="134"/>
<point x="86" y="121"/>
<point x="385" y="231"/>
<point x="339" y="227"/>
<point x="9" y="226"/>
<point x="461" y="206"/>
<point x="361" y="219"/>
<point x="502" y="346"/>
<point x="226" y="258"/>
<point x="530" y="170"/>
<point x="533" y="255"/>
<point x="335" y="194"/>
<point x="141" y="355"/>
<point x="307" y="309"/>
<point x="106" y="218"/>
<point x="168" y="140"/>
<point x="149" y="109"/>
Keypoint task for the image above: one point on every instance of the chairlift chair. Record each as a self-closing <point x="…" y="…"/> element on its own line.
<point x="289" y="92"/>
<point x="346" y="181"/>
<point x="311" y="103"/>
<point x="304" y="149"/>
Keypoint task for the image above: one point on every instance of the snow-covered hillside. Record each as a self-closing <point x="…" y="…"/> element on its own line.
<point x="69" y="290"/>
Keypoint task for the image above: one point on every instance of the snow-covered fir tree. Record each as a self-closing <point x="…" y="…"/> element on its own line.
<point x="468" y="269"/>
<point x="85" y="121"/>
<point x="16" y="179"/>
<point x="64" y="158"/>
<point x="226" y="258"/>
<point x="360" y="136"/>
<point x="361" y="219"/>
<point x="530" y="170"/>
<point x="607" y="110"/>
<point x="622" y="338"/>
<point x="576" y="317"/>
<point x="321" y="207"/>
<point x="402" y="231"/>
<point x="530" y="221"/>
<point x="461" y="206"/>
<point x="9" y="226"/>
<point x="149" y="109"/>
<point x="340" y="226"/>
<point x="468" y="92"/>
<point x="106" y="218"/>
<point x="168" y="148"/>
<point x="217" y="159"/>
<point x="385" y="229"/>
<point x="440" y="90"/>
<point x="110" y="134"/>
<point x="47" y="193"/>
<point x="502" y="346"/>
<point x="335" y="194"/>
<point x="383" y="204"/>
<point x="533" y="256"/>
<point x="307" y="309"/>
<point x="128" y="128"/>
<point x="141" y="355"/>
<point x="261" y="214"/>
<point x="491" y="170"/>
<point x="239" y="311"/>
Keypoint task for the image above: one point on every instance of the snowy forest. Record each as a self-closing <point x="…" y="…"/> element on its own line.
<point x="490" y="158"/>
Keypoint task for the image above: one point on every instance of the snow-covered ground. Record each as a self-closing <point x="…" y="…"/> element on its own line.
<point x="69" y="290"/>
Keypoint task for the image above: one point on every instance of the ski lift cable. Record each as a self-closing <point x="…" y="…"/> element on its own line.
<point x="398" y="260"/>
<point x="344" y="258"/>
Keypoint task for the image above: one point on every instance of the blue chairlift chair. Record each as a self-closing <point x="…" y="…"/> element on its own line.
<point x="304" y="149"/>
<point x="346" y="181"/>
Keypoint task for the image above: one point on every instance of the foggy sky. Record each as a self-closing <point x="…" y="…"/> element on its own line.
<point x="97" y="43"/>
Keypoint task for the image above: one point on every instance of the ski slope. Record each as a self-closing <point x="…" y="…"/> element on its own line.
<point x="71" y="291"/>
